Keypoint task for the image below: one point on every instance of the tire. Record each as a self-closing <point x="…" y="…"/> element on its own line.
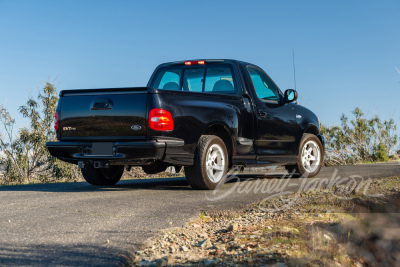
<point x="102" y="176"/>
<point x="310" y="158"/>
<point x="210" y="164"/>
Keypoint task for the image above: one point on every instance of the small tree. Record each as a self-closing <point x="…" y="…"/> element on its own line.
<point x="11" y="157"/>
<point x="26" y="156"/>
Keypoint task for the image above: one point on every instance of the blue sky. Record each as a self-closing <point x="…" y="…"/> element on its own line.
<point x="345" y="51"/>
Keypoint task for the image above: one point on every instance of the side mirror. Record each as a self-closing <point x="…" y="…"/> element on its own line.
<point x="290" y="95"/>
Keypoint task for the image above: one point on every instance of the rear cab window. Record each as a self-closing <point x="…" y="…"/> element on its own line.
<point x="209" y="78"/>
<point x="168" y="79"/>
<point x="193" y="79"/>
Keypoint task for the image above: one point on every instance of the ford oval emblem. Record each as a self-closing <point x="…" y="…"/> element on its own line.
<point x="136" y="127"/>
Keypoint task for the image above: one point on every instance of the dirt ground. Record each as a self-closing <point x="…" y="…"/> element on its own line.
<point x="334" y="227"/>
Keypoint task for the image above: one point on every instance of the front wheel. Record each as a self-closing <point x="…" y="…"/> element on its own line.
<point x="310" y="158"/>
<point x="102" y="176"/>
<point x="210" y="163"/>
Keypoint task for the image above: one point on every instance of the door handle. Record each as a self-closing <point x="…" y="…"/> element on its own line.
<point x="262" y="114"/>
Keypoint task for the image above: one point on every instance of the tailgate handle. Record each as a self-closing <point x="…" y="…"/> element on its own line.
<point x="101" y="106"/>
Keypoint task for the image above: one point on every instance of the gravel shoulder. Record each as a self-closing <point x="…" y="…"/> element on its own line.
<point x="347" y="225"/>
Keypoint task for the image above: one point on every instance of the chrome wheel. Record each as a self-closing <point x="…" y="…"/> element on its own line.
<point x="311" y="156"/>
<point x="215" y="163"/>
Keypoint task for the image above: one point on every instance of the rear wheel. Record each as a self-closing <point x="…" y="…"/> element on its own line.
<point x="102" y="176"/>
<point x="310" y="158"/>
<point x="210" y="163"/>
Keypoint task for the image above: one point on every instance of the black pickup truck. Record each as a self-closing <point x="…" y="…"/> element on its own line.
<point x="204" y="115"/>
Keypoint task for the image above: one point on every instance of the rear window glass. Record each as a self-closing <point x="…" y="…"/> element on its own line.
<point x="209" y="79"/>
<point x="168" y="79"/>
<point x="193" y="80"/>
<point x="219" y="80"/>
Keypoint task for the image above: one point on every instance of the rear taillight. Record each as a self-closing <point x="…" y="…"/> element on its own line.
<point x="56" y="121"/>
<point x="160" y="120"/>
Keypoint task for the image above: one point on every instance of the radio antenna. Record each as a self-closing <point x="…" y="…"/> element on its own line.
<point x="294" y="71"/>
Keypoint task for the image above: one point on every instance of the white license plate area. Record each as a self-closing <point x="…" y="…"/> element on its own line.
<point x="102" y="149"/>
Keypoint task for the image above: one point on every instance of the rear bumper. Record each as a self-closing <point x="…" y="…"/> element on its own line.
<point x="134" y="153"/>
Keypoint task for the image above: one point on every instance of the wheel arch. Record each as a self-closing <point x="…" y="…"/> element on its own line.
<point x="227" y="137"/>
<point x="311" y="129"/>
<point x="314" y="129"/>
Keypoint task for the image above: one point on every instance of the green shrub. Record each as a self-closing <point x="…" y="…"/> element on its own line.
<point x="380" y="152"/>
<point x="24" y="155"/>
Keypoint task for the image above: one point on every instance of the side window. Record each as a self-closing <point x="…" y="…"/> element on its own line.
<point x="168" y="79"/>
<point x="193" y="80"/>
<point x="219" y="80"/>
<point x="263" y="85"/>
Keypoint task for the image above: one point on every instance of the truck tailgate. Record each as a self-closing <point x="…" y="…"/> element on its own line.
<point x="109" y="114"/>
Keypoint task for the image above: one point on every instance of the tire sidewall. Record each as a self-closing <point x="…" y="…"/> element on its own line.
<point x="305" y="139"/>
<point x="110" y="178"/>
<point x="218" y="141"/>
<point x="98" y="177"/>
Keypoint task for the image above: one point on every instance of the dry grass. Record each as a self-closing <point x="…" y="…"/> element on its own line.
<point x="322" y="228"/>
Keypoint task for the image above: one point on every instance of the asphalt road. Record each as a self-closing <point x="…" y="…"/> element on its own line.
<point x="76" y="224"/>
